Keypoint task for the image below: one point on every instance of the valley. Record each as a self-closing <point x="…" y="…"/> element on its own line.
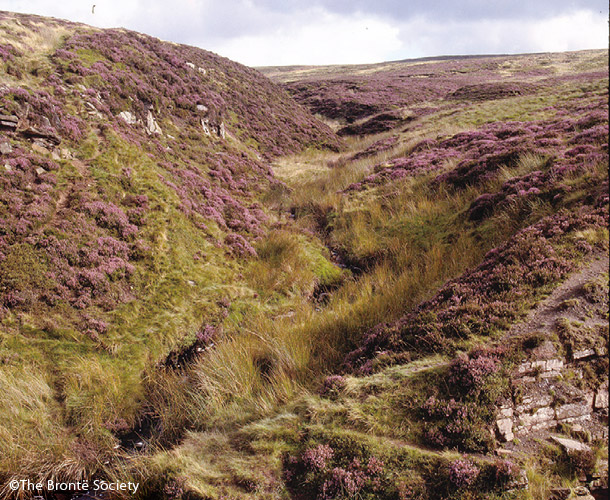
<point x="378" y="281"/>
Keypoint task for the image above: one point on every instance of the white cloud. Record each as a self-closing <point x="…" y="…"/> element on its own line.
<point x="270" y="32"/>
<point x="571" y="31"/>
<point x="317" y="38"/>
<point x="579" y="30"/>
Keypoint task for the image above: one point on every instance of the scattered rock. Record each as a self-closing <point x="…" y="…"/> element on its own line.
<point x="193" y="66"/>
<point x="92" y="111"/>
<point x="7" y="167"/>
<point x="8" y="121"/>
<point x="583" y="354"/>
<point x="519" y="483"/>
<point x="49" y="136"/>
<point x="505" y="429"/>
<point x="205" y="125"/>
<point x="129" y="117"/>
<point x="529" y="403"/>
<point x="583" y="493"/>
<point x="570" y="445"/>
<point x="152" y="127"/>
<point x="580" y="432"/>
<point x="506" y="411"/>
<point x="572" y="410"/>
<point x="39" y="148"/>
<point x="542" y="418"/>
<point x="600" y="476"/>
<point x="5" y="148"/>
<point x="601" y="397"/>
<point x="40" y="171"/>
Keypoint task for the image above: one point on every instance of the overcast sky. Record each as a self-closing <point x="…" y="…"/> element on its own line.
<point x="280" y="32"/>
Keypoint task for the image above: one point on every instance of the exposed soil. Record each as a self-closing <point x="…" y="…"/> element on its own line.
<point x="543" y="317"/>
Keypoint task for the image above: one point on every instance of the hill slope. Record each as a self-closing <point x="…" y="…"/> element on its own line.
<point x="131" y="184"/>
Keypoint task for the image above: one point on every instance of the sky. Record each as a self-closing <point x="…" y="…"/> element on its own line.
<point x="286" y="32"/>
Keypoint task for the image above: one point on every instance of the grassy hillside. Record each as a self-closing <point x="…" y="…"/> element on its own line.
<point x="133" y="177"/>
<point x="206" y="290"/>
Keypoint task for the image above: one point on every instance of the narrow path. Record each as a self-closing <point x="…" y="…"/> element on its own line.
<point x="543" y="316"/>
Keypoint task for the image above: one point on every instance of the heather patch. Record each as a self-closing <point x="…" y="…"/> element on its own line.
<point x="325" y="473"/>
<point x="482" y="153"/>
<point x="486" y="91"/>
<point x="361" y="96"/>
<point x="375" y="125"/>
<point x="197" y="88"/>
<point x="41" y="110"/>
<point x="179" y="312"/>
<point x="377" y="147"/>
<point x="8" y="52"/>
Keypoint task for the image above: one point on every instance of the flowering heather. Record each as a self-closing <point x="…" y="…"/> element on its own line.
<point x="463" y="473"/>
<point x="316" y="459"/>
<point x="455" y="424"/>
<point x="44" y="112"/>
<point x="374" y="125"/>
<point x="87" y="259"/>
<point x="483" y="152"/>
<point x="504" y="471"/>
<point x="206" y="335"/>
<point x="239" y="246"/>
<point x="363" y="95"/>
<point x="402" y="84"/>
<point x="469" y="372"/>
<point x="322" y="474"/>
<point x="110" y="216"/>
<point x="333" y="386"/>
<point x="377" y="147"/>
<point x="8" y="52"/>
<point x="156" y="74"/>
<point x="104" y="73"/>
<point x="495" y="90"/>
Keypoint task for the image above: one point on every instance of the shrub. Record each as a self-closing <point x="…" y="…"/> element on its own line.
<point x="462" y="473"/>
<point x="332" y="386"/>
<point x="316" y="459"/>
<point x="325" y="473"/>
<point x="456" y="424"/>
<point x="469" y="373"/>
<point x="504" y="471"/>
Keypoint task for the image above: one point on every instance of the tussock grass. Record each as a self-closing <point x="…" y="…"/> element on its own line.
<point x="32" y="438"/>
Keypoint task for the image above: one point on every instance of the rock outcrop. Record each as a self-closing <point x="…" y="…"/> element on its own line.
<point x="542" y="399"/>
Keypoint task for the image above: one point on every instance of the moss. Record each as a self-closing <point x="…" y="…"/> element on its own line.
<point x="23" y="269"/>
